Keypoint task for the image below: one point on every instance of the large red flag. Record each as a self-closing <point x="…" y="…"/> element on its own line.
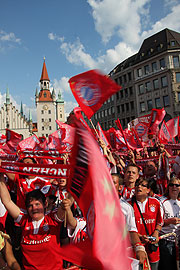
<point x="157" y="116"/>
<point x="91" y="89"/>
<point x="67" y="131"/>
<point x="173" y="126"/>
<point x="141" y="126"/>
<point x="12" y="141"/>
<point x="92" y="187"/>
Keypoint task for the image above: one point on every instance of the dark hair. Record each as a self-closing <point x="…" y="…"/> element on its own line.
<point x="132" y="165"/>
<point x="35" y="194"/>
<point x="153" y="185"/>
<point x="34" y="161"/>
<point x="53" y="198"/>
<point x="121" y="179"/>
<point x="141" y="179"/>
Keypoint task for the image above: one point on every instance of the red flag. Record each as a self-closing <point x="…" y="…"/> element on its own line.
<point x="133" y="140"/>
<point x="67" y="131"/>
<point x="29" y="143"/>
<point x="157" y="115"/>
<point x="111" y="137"/>
<point x="118" y="123"/>
<point x="173" y="126"/>
<point x="2" y="139"/>
<point x="78" y="114"/>
<point x="92" y="187"/>
<point x="164" y="134"/>
<point x="101" y="134"/>
<point x="12" y="141"/>
<point x="91" y="89"/>
<point x="141" y="126"/>
<point x="43" y="144"/>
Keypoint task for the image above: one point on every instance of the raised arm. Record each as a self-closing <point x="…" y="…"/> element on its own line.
<point x="12" y="208"/>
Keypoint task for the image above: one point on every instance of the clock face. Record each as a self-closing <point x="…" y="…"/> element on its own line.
<point x="45" y="107"/>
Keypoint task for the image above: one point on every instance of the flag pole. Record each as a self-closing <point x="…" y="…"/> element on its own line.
<point x="94" y="128"/>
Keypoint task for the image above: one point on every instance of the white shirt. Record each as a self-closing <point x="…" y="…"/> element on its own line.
<point x="128" y="212"/>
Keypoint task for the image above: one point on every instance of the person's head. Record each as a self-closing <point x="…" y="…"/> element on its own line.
<point x="173" y="188"/>
<point x="29" y="160"/>
<point x="142" y="189"/>
<point x="35" y="203"/>
<point x="161" y="148"/>
<point x="131" y="174"/>
<point x="60" y="182"/>
<point x="150" y="168"/>
<point x="153" y="187"/>
<point x="117" y="180"/>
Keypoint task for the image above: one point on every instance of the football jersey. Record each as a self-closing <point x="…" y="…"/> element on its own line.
<point x="25" y="185"/>
<point x="79" y="233"/>
<point x="151" y="211"/>
<point x="126" y="192"/>
<point x="171" y="209"/>
<point x="41" y="242"/>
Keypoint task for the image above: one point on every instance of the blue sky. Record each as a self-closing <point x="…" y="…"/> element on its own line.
<point x="73" y="36"/>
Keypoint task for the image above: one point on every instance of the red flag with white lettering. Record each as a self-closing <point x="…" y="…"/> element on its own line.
<point x="92" y="187"/>
<point x="173" y="126"/>
<point x="91" y="89"/>
<point x="29" y="143"/>
<point x="164" y="134"/>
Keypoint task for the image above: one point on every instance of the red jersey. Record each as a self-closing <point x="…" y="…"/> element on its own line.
<point x="151" y="211"/>
<point x="127" y="193"/>
<point x="25" y="185"/>
<point x="41" y="242"/>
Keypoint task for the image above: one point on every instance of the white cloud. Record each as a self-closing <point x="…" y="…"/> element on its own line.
<point x="4" y="37"/>
<point x="61" y="85"/>
<point x="119" y="17"/>
<point x="53" y="36"/>
<point x="69" y="106"/>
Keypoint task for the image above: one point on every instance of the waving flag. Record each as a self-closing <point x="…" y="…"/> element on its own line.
<point x="91" y="89"/>
<point x="118" y="123"/>
<point x="164" y="134"/>
<point x="2" y="139"/>
<point x="91" y="185"/>
<point x="12" y="141"/>
<point x="67" y="131"/>
<point x="29" y="143"/>
<point x="173" y="126"/>
<point x="157" y="115"/>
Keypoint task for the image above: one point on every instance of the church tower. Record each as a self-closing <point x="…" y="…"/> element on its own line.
<point x="46" y="106"/>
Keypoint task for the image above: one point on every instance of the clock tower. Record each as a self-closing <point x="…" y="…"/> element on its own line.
<point x="46" y="106"/>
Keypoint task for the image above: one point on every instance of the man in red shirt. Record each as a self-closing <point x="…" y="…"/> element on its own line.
<point x="40" y="232"/>
<point x="130" y="176"/>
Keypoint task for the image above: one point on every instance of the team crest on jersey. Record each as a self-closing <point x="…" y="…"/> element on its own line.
<point x="90" y="221"/>
<point x="45" y="227"/>
<point x="152" y="208"/>
<point x="90" y="94"/>
<point x="45" y="189"/>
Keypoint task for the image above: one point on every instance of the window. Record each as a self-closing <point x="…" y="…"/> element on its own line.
<point x="117" y="95"/>
<point x="118" y="109"/>
<point x="142" y="106"/>
<point x="141" y="89"/>
<point x="129" y="76"/>
<point x="154" y="66"/>
<point x="46" y="135"/>
<point x="123" y="122"/>
<point x="164" y="81"/>
<point x="162" y="63"/>
<point x="178" y="77"/>
<point x="130" y="91"/>
<point x="112" y="109"/>
<point x="178" y="96"/>
<point x="112" y="98"/>
<point x="122" y="93"/>
<point x="42" y="128"/>
<point x="102" y="114"/>
<point x="166" y="101"/>
<point x="139" y="72"/>
<point x="45" y="95"/>
<point x="176" y="61"/>
<point x="148" y="86"/>
<point x="122" y="107"/>
<point x="127" y="107"/>
<point x="49" y="127"/>
<point x="132" y="105"/>
<point x="120" y="80"/>
<point x="126" y="92"/>
<point x="158" y="103"/>
<point x="60" y="115"/>
<point x="105" y="112"/>
<point x="156" y="84"/>
<point x="125" y="80"/>
<point x="173" y="43"/>
<point x="49" y="119"/>
<point x="42" y="112"/>
<point x="44" y="83"/>
<point x="146" y="69"/>
<point x="149" y="104"/>
<point x="49" y="111"/>
<point x="109" y="111"/>
<point x="42" y="119"/>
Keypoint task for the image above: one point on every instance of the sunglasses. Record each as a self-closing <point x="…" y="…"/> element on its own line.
<point x="139" y="184"/>
<point x="174" y="185"/>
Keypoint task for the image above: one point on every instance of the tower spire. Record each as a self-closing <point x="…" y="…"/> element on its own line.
<point x="21" y="112"/>
<point x="44" y="74"/>
<point x="7" y="96"/>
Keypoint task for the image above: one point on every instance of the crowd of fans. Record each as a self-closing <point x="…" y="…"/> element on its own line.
<point x="40" y="215"/>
